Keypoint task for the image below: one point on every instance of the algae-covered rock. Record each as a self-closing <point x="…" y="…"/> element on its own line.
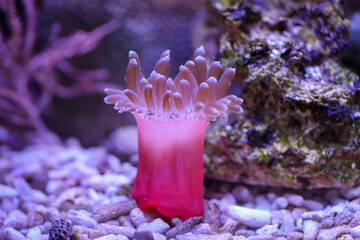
<point x="301" y="126"/>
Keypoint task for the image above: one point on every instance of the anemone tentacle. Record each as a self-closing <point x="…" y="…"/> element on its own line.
<point x="195" y="92"/>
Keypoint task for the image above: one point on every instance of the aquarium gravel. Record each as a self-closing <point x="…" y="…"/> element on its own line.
<point x="60" y="192"/>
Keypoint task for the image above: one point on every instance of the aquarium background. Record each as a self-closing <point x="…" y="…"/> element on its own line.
<point x="67" y="170"/>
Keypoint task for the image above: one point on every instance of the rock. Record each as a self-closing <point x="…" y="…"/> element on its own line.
<point x="250" y="217"/>
<point x="310" y="229"/>
<point x="296" y="93"/>
<point x="157" y="225"/>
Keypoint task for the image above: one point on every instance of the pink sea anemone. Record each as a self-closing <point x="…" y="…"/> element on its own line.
<point x="172" y="116"/>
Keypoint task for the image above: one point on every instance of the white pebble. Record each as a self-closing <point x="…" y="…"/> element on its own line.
<point x="107" y="237"/>
<point x="262" y="203"/>
<point x="313" y="205"/>
<point x="8" y="192"/>
<point x="226" y="201"/>
<point x="122" y="237"/>
<point x="157" y="225"/>
<point x="34" y="234"/>
<point x="81" y="218"/>
<point x="268" y="230"/>
<point x="345" y="237"/>
<point x="310" y="229"/>
<point x="13" y="234"/>
<point x="158" y="236"/>
<point x="355" y="232"/>
<point x="294" y="199"/>
<point x="250" y="217"/>
<point x="350" y="193"/>
<point x="332" y="233"/>
<point x="242" y="194"/>
<point x="313" y="215"/>
<point x="16" y="219"/>
<point x="119" y="230"/>
<point x="138" y="217"/>
<point x="279" y="203"/>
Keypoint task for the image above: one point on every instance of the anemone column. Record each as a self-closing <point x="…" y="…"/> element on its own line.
<point x="170" y="169"/>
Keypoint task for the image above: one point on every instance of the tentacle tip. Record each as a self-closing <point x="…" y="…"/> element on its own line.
<point x="233" y="70"/>
<point x="166" y="53"/>
<point x="132" y="54"/>
<point x="133" y="62"/>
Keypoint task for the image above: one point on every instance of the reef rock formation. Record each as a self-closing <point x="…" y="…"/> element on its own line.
<point x="301" y="126"/>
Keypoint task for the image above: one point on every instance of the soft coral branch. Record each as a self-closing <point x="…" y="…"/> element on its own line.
<point x="20" y="68"/>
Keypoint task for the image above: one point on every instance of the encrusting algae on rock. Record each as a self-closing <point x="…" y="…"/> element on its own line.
<point x="172" y="117"/>
<point x="301" y="126"/>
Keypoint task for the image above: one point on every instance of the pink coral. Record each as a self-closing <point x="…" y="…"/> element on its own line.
<point x="172" y="116"/>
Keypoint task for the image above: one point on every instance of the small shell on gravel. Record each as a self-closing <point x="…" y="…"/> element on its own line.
<point x="250" y="217"/>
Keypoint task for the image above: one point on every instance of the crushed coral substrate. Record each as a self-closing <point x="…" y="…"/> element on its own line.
<point x="68" y="192"/>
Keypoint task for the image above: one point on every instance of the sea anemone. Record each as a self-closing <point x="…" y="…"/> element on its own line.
<point x="172" y="116"/>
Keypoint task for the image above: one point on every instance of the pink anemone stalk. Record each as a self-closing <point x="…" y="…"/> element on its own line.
<point x="172" y="115"/>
